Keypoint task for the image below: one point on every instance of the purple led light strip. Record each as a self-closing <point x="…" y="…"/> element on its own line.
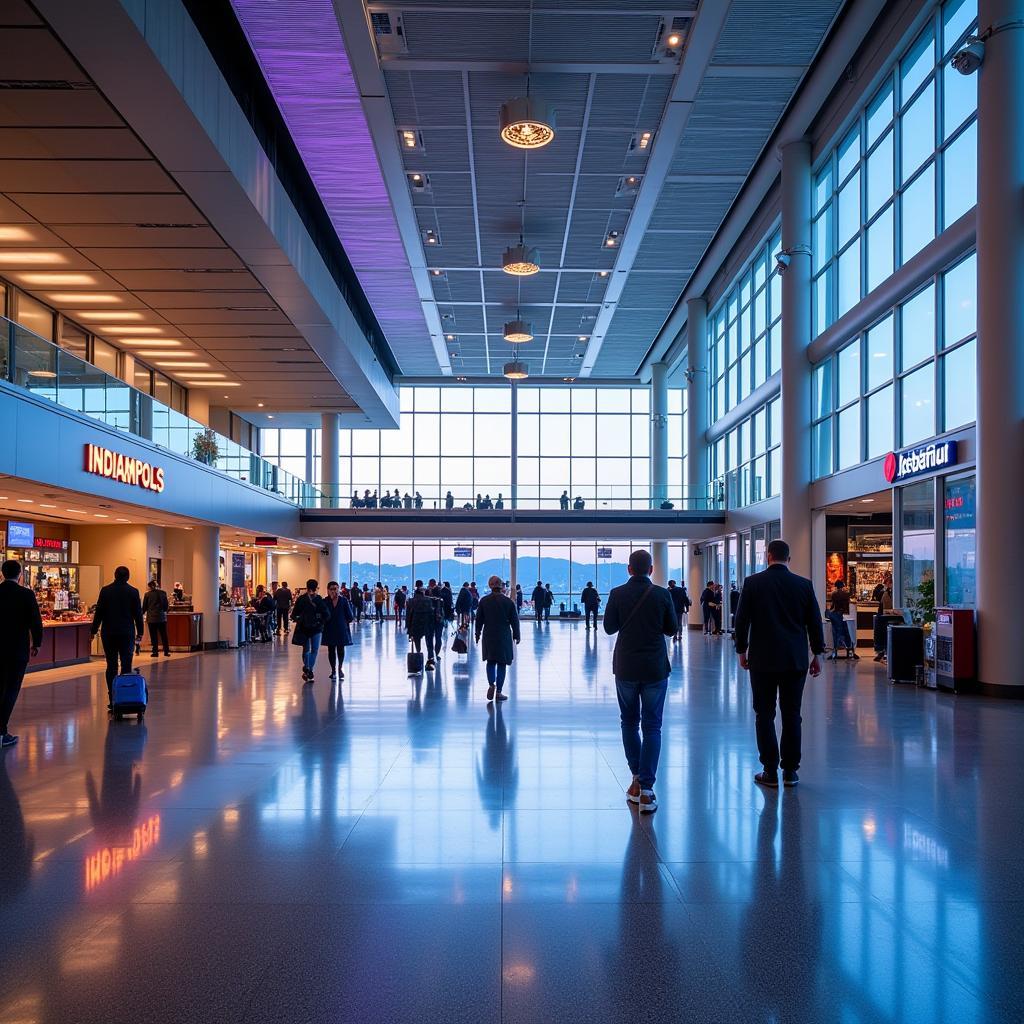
<point x="299" y="46"/>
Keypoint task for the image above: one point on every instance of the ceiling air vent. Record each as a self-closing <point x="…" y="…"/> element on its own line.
<point x="389" y="32"/>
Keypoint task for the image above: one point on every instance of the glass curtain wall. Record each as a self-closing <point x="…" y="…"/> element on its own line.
<point x="905" y="170"/>
<point x="911" y="375"/>
<point x="918" y="543"/>
<point x="568" y="567"/>
<point x="591" y="442"/>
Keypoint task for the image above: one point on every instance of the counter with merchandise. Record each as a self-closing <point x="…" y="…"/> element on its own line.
<point x="64" y="643"/>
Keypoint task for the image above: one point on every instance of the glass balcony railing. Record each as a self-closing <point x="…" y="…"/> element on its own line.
<point x="53" y="373"/>
<point x="603" y="498"/>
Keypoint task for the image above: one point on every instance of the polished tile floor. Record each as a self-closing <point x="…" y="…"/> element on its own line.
<point x="392" y="850"/>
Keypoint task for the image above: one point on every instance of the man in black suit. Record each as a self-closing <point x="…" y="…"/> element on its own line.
<point x="119" y="614"/>
<point x="777" y="616"/>
<point x="591" y="601"/>
<point x="21" y="635"/>
<point x="154" y="608"/>
<point x="642" y="614"/>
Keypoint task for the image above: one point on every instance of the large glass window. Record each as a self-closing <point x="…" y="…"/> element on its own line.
<point x="959" y="511"/>
<point x="909" y="376"/>
<point x="905" y="170"/>
<point x="918" y="537"/>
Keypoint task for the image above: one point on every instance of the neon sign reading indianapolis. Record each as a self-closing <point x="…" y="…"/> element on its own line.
<point x="123" y="468"/>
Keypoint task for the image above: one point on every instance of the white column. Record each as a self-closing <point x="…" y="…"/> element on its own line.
<point x="330" y="424"/>
<point x="659" y="434"/>
<point x="659" y="552"/>
<point x="796" y="371"/>
<point x="1000" y="430"/>
<point x="330" y="564"/>
<point x="694" y="582"/>
<point x="514" y="496"/>
<point x="513" y="568"/>
<point x="696" y="402"/>
<point x="206" y="580"/>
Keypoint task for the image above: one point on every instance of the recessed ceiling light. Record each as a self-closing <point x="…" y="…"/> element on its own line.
<point x="644" y="140"/>
<point x="462" y="380"/>
<point x="206" y="376"/>
<point x="527" y="122"/>
<point x="80" y="297"/>
<point x="437" y="273"/>
<point x="31" y="258"/>
<point x="44" y="278"/>
<point x="117" y="329"/>
<point x="13" y="233"/>
<point x="100" y="515"/>
<point x="867" y="501"/>
<point x="43" y="504"/>
<point x="674" y="40"/>
<point x="123" y="520"/>
<point x="259" y="405"/>
<point x="411" y="139"/>
<point x="270" y="415"/>
<point x="179" y="364"/>
<point x="602" y="273"/>
<point x="77" y="511"/>
<point x="611" y="239"/>
<point x="582" y="337"/>
<point x="449" y="337"/>
<point x="49" y="374"/>
<point x="112" y="314"/>
<point x="26" y="501"/>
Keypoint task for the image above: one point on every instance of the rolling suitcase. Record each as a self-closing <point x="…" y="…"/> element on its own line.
<point x="129" y="695"/>
<point x="414" y="662"/>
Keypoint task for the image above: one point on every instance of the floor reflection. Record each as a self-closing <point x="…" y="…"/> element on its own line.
<point x="263" y="850"/>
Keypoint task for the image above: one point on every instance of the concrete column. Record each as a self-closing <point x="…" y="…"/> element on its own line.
<point x="659" y="434"/>
<point x="696" y="403"/>
<point x="206" y="580"/>
<point x="514" y="495"/>
<point x="330" y="424"/>
<point x="513" y="568"/>
<point x="1000" y="430"/>
<point x="694" y="582"/>
<point x="659" y="552"/>
<point x="796" y="371"/>
<point x="330" y="565"/>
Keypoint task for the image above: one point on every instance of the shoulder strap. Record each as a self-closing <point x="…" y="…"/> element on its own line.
<point x="636" y="607"/>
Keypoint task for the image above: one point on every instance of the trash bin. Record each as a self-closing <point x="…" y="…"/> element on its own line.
<point x="905" y="653"/>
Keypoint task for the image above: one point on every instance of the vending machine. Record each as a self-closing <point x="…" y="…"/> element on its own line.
<point x="955" y="658"/>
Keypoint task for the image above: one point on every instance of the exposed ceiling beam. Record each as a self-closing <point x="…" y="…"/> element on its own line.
<point x="396" y="62"/>
<point x="476" y="210"/>
<point x="700" y="45"/>
<point x="362" y="54"/>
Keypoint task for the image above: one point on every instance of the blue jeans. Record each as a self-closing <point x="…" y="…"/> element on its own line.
<point x="310" y="649"/>
<point x="496" y="674"/>
<point x="840" y="632"/>
<point x="641" y="706"/>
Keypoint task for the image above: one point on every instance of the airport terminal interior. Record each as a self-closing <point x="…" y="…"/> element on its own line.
<point x="529" y="299"/>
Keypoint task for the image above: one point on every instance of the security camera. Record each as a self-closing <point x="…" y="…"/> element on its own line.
<point x="968" y="58"/>
<point x="782" y="261"/>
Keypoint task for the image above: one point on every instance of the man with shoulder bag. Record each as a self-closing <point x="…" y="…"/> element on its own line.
<point x="310" y="614"/>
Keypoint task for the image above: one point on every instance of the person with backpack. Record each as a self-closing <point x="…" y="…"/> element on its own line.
<point x="498" y="624"/>
<point x="401" y="596"/>
<point x="310" y="615"/>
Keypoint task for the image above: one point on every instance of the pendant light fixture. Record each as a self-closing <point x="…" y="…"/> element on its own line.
<point x="518" y="331"/>
<point x="527" y="122"/>
<point x="516" y="370"/>
<point x="520" y="261"/>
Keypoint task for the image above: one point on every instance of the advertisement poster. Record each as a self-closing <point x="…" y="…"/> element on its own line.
<point x="835" y="567"/>
<point x="237" y="569"/>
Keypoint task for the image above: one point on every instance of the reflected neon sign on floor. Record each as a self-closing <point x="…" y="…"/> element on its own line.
<point x="107" y="863"/>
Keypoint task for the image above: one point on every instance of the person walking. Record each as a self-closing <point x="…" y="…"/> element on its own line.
<point x="387" y="601"/>
<point x="310" y="615"/>
<point x="498" y="624"/>
<point x="777" y="618"/>
<point x="357" y="601"/>
<point x="464" y="605"/>
<point x="401" y="596"/>
<point x="519" y="599"/>
<point x="336" y="634"/>
<point x="591" y="601"/>
<point x="549" y="600"/>
<point x="734" y="603"/>
<point x="118" y="620"/>
<point x="154" y="608"/>
<point x="681" y="604"/>
<point x="419" y="622"/>
<point x="838" y="609"/>
<point x="707" y="601"/>
<point x="716" y="609"/>
<point x="475" y="595"/>
<point x="21" y="636"/>
<point x="378" y="601"/>
<point x="538" y="598"/>
<point x="642" y="615"/>
<point x="283" y="600"/>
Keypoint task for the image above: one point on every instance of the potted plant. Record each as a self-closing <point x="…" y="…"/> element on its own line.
<point x="204" y="447"/>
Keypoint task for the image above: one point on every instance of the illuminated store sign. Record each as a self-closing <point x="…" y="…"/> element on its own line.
<point x="20" y="535"/>
<point x="123" y="468"/>
<point x="925" y="458"/>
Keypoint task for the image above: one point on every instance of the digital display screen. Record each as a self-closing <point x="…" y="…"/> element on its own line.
<point x="21" y="535"/>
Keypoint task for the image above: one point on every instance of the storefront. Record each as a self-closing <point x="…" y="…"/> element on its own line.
<point x="50" y="569"/>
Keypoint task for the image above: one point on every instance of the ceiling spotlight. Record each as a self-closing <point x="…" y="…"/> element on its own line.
<point x="449" y="337"/>
<point x="411" y="140"/>
<point x="516" y="370"/>
<point x="518" y="331"/>
<point x="430" y="237"/>
<point x="611" y="239"/>
<point x="582" y="337"/>
<point x="674" y="40"/>
<point x="641" y="141"/>
<point x="520" y="261"/>
<point x="462" y="380"/>
<point x="259" y="405"/>
<point x="602" y="273"/>
<point x="527" y="122"/>
<point x="419" y="182"/>
<point x="437" y="273"/>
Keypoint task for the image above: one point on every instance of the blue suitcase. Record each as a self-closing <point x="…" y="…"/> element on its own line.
<point x="130" y="695"/>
